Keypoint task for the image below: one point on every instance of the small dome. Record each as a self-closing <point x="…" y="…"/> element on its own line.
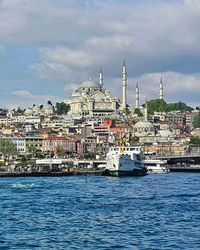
<point x="143" y="124"/>
<point x="76" y="94"/>
<point x="89" y="84"/>
<point x="48" y="107"/>
<point x="36" y="109"/>
<point x="28" y="111"/>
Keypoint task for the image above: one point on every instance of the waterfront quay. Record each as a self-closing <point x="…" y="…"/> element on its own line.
<point x="182" y="163"/>
<point x="73" y="167"/>
<point x="70" y="172"/>
<point x="54" y="167"/>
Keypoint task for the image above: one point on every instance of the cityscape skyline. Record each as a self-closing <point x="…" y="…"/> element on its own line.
<point x="49" y="48"/>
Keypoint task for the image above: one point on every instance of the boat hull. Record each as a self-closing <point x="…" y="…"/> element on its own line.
<point x="121" y="173"/>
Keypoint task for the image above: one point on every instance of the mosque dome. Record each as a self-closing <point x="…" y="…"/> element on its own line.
<point x="28" y="111"/>
<point x="89" y="84"/>
<point x="48" y="109"/>
<point x="36" y="109"/>
<point x="144" y="128"/>
<point x="143" y="124"/>
<point x="75" y="95"/>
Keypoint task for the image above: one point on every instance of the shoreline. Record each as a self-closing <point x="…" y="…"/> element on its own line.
<point x="53" y="174"/>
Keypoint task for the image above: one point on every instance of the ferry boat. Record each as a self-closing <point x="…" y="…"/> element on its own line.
<point x="156" y="166"/>
<point x="124" y="161"/>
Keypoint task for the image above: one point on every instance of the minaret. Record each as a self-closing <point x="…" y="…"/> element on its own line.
<point x="124" y="84"/>
<point x="101" y="78"/>
<point x="137" y="96"/>
<point x="145" y="111"/>
<point x="161" y="95"/>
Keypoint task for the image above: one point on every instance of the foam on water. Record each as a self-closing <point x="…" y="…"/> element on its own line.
<point x="24" y="185"/>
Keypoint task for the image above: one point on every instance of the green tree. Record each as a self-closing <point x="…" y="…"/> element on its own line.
<point x="177" y="106"/>
<point x="19" y="110"/>
<point x="195" y="140"/>
<point x="62" y="108"/>
<point x="156" y="105"/>
<point x="7" y="148"/>
<point x="160" y="105"/>
<point x="196" y="122"/>
<point x="134" y="140"/>
<point x="138" y="112"/>
<point x="36" y="152"/>
<point x="127" y="111"/>
<point x="60" y="151"/>
<point x="32" y="149"/>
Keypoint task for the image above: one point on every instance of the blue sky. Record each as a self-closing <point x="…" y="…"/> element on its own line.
<point x="47" y="48"/>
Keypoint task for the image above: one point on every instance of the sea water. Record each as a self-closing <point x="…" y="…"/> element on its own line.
<point x="158" y="211"/>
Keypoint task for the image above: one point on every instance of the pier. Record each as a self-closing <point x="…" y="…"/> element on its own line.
<point x="71" y="172"/>
<point x="187" y="168"/>
<point x="190" y="158"/>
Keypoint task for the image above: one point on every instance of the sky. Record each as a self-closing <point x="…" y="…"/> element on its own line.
<point x="48" y="48"/>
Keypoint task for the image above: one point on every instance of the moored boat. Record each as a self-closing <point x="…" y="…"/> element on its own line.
<point x="124" y="161"/>
<point x="156" y="166"/>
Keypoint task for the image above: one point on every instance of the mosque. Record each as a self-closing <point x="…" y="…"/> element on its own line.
<point x="92" y="99"/>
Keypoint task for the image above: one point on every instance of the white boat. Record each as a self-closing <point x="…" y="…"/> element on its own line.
<point x="156" y="166"/>
<point x="124" y="161"/>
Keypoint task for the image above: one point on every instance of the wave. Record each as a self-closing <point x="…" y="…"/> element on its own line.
<point x="24" y="185"/>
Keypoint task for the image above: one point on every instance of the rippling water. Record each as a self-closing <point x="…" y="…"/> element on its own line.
<point x="94" y="212"/>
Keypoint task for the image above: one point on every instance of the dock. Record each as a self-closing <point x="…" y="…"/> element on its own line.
<point x="189" y="168"/>
<point x="73" y="172"/>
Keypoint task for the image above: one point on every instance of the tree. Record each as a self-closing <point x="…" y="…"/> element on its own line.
<point x="134" y="140"/>
<point x="160" y="105"/>
<point x="195" y="140"/>
<point x="60" y="151"/>
<point x="32" y="149"/>
<point x="36" y="152"/>
<point x="138" y="112"/>
<point x="156" y="105"/>
<point x="19" y="110"/>
<point x="196" y="122"/>
<point x="127" y="111"/>
<point x="7" y="148"/>
<point x="62" y="108"/>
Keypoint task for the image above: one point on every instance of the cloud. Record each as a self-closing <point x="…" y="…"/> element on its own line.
<point x="66" y="56"/>
<point x="24" y="98"/>
<point x="73" y="38"/>
<point x="71" y="87"/>
<point x="23" y="93"/>
<point x="177" y="87"/>
<point x="152" y="37"/>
